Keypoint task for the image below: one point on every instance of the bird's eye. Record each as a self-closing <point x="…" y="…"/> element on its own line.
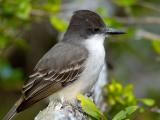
<point x="96" y="29"/>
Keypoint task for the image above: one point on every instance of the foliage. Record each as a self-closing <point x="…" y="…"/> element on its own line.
<point x="52" y="6"/>
<point x="125" y="3"/>
<point x="119" y="97"/>
<point x="124" y="113"/>
<point x="14" y="16"/>
<point x="156" y="45"/>
<point x="121" y="103"/>
<point x="147" y="101"/>
<point x="108" y="20"/>
<point x="90" y="108"/>
<point x="58" y="23"/>
<point x="117" y="94"/>
<point x="17" y="13"/>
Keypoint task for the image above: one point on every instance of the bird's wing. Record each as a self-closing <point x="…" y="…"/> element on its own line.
<point x="62" y="65"/>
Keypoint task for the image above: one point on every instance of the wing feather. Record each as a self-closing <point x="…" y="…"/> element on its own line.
<point x="50" y="76"/>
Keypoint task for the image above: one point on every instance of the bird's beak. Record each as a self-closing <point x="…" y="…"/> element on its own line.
<point x="112" y="31"/>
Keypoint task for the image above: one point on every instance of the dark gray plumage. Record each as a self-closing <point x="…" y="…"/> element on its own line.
<point x="54" y="72"/>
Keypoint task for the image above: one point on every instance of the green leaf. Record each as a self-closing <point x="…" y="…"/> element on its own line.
<point x="123" y="114"/>
<point x="90" y="108"/>
<point x="156" y="45"/>
<point x="120" y="95"/>
<point x="23" y="10"/>
<point x="147" y="101"/>
<point x="58" y="23"/>
<point x="52" y="6"/>
<point x="131" y="109"/>
<point x="125" y="3"/>
<point x="119" y="116"/>
<point x="7" y="9"/>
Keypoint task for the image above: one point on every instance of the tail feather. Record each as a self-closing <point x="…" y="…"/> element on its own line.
<point x="12" y="112"/>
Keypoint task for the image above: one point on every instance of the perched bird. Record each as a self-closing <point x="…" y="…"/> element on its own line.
<point x="70" y="67"/>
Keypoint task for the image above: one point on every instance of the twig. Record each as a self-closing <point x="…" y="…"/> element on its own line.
<point x="40" y="13"/>
<point x="138" y="20"/>
<point x="147" y="35"/>
<point x="149" y="5"/>
<point x="155" y="110"/>
<point x="124" y="20"/>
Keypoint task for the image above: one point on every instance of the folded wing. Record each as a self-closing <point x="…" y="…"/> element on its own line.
<point x="53" y="72"/>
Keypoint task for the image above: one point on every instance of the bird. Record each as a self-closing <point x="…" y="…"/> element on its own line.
<point x="71" y="66"/>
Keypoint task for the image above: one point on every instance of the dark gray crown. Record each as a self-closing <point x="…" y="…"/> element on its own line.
<point x="86" y="18"/>
<point x="84" y="23"/>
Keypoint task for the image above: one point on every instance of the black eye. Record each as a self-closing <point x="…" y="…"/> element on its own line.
<point x="96" y="29"/>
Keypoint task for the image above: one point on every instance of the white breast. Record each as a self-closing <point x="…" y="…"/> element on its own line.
<point x="94" y="64"/>
<point x="95" y="60"/>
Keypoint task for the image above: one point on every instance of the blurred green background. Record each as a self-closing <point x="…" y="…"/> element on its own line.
<point x="29" y="28"/>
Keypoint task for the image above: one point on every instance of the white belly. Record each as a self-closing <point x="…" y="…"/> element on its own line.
<point x="91" y="72"/>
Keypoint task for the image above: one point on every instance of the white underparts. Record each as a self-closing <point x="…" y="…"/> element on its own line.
<point x="94" y="64"/>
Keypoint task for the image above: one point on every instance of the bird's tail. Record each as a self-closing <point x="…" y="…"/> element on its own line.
<point x="12" y="112"/>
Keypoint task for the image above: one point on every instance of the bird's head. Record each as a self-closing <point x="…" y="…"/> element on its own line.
<point x="85" y="23"/>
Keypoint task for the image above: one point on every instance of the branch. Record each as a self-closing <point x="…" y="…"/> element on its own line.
<point x="124" y="20"/>
<point x="62" y="110"/>
<point x="147" y="35"/>
<point x="149" y="6"/>
<point x="138" y="20"/>
<point x="40" y="13"/>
